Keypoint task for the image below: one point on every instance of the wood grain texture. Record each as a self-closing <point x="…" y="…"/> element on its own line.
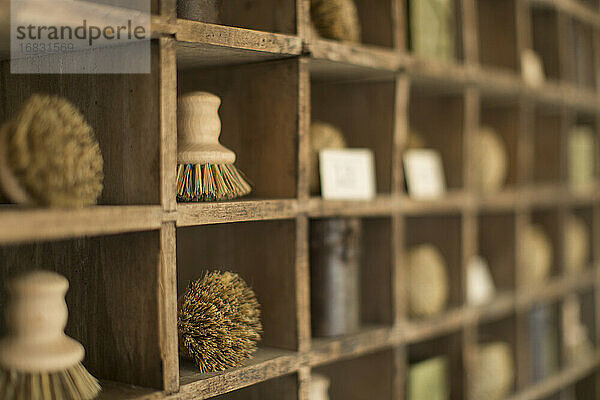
<point x="20" y="225"/>
<point x="168" y="123"/>
<point x="268" y="363"/>
<point x="167" y="308"/>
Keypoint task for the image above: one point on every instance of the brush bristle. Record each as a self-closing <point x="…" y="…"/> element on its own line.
<point x="74" y="383"/>
<point x="210" y="182"/>
<point x="218" y="321"/>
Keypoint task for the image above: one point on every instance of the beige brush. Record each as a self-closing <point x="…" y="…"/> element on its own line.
<point x="37" y="360"/>
<point x="205" y="170"/>
<point x="49" y="155"/>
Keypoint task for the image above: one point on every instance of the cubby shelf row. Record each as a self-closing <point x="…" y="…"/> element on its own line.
<point x="208" y="45"/>
<point x="39" y="224"/>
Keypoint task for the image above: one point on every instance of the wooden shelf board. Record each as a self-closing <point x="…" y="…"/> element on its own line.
<point x="190" y="214"/>
<point x="557" y="381"/>
<point x="505" y="200"/>
<point x="452" y="202"/>
<point x="555" y="288"/>
<point x="207" y="45"/>
<point x="268" y="363"/>
<point x="120" y="391"/>
<point x="501" y="306"/>
<point x="451" y="320"/>
<point x="338" y="60"/>
<point x="19" y="224"/>
<point x="573" y="8"/>
<point x="368" y="340"/>
<point x="381" y="205"/>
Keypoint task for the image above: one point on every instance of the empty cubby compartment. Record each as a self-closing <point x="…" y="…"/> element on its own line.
<point x="367" y="376"/>
<point x="498" y="40"/>
<point x="497" y="247"/>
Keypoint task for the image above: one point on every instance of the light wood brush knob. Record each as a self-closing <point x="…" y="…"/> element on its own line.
<point x="36" y="317"/>
<point x="198" y="130"/>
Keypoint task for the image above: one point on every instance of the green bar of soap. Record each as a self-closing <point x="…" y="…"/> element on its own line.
<point x="432" y="28"/>
<point x="581" y="147"/>
<point x="428" y="380"/>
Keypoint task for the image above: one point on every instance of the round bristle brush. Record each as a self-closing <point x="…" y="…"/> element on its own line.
<point x="37" y="360"/>
<point x="49" y="155"/>
<point x="218" y="321"/>
<point x="205" y="170"/>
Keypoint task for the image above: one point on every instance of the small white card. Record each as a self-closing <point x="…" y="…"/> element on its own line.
<point x="424" y="174"/>
<point x="347" y="174"/>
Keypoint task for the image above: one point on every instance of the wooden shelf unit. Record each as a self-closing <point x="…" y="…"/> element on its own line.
<point x="129" y="257"/>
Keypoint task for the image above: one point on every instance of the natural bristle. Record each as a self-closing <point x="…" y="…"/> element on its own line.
<point x="218" y="321"/>
<point x="210" y="182"/>
<point x="75" y="383"/>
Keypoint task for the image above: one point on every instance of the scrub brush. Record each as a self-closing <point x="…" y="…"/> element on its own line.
<point x="218" y="321"/>
<point x="37" y="360"/>
<point x="205" y="170"/>
<point x="49" y="155"/>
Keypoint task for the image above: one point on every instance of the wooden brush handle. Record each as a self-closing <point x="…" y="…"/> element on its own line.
<point x="36" y="317"/>
<point x="199" y="128"/>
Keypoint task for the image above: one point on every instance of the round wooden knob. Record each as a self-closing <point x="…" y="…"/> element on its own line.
<point x="36" y="317"/>
<point x="198" y="130"/>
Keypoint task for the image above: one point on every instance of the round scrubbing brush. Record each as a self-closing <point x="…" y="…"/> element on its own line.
<point x="218" y="321"/>
<point x="37" y="360"/>
<point x="490" y="161"/>
<point x="494" y="371"/>
<point x="428" y="282"/>
<point x="535" y="254"/>
<point x="49" y="156"/>
<point x="322" y="136"/>
<point x="577" y="244"/>
<point x="336" y="19"/>
<point x="205" y="170"/>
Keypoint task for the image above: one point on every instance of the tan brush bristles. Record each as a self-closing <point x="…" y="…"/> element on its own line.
<point x="37" y="360"/>
<point x="210" y="182"/>
<point x="50" y="155"/>
<point x="218" y="321"/>
<point x="205" y="170"/>
<point x="336" y="19"/>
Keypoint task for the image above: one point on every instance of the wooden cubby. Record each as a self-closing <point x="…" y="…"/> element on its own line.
<point x="450" y="347"/>
<point x="502" y="330"/>
<point x="499" y="254"/>
<point x="359" y="378"/>
<point x="129" y="257"/>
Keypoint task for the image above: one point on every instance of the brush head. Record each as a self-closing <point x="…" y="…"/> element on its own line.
<point x="205" y="170"/>
<point x="322" y="136"/>
<point x="490" y="161"/>
<point x="218" y="321"/>
<point x="428" y="289"/>
<point x="336" y="19"/>
<point x="74" y="383"/>
<point x="535" y="255"/>
<point x="494" y="373"/>
<point x="49" y="156"/>
<point x="210" y="182"/>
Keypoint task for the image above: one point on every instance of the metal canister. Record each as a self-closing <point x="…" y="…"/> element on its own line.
<point x="334" y="270"/>
<point x="199" y="10"/>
